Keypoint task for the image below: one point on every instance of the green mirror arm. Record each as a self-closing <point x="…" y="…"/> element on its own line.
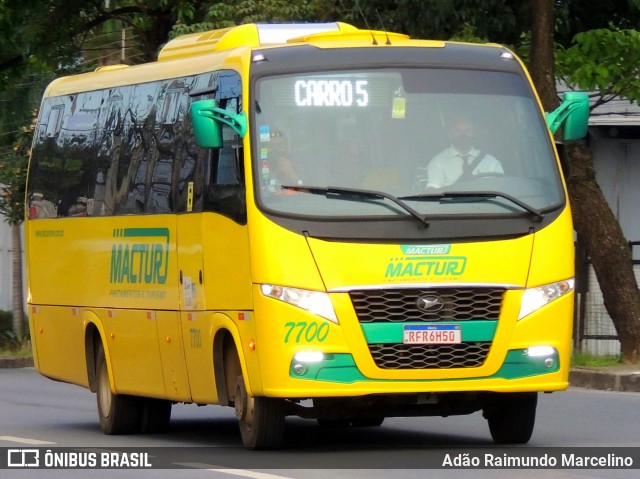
<point x="560" y="114"/>
<point x="237" y="121"/>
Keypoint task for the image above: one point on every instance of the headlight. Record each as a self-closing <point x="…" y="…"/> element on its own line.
<point x="535" y="298"/>
<point x="315" y="302"/>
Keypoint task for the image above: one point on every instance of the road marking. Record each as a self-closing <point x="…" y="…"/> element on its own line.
<point x="24" y="440"/>
<point x="234" y="472"/>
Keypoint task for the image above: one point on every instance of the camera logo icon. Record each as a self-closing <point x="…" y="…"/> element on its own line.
<point x="23" y="458"/>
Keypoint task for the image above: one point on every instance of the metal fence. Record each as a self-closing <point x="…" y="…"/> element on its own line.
<point x="594" y="331"/>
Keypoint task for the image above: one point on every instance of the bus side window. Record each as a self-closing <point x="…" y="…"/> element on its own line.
<point x="225" y="193"/>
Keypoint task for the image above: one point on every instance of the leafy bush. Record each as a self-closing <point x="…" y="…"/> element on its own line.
<point x="592" y="360"/>
<point x="8" y="339"/>
<point x="5" y="321"/>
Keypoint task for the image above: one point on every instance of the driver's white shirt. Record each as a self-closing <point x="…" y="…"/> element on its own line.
<point x="447" y="166"/>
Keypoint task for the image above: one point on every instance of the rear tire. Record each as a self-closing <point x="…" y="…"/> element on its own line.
<point x="512" y="417"/>
<point x="261" y="419"/>
<point x="119" y="413"/>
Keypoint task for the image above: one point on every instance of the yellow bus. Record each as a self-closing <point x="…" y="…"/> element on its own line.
<point x="252" y="221"/>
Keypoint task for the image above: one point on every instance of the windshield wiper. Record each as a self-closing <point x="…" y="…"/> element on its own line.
<point x="536" y="213"/>
<point x="372" y="194"/>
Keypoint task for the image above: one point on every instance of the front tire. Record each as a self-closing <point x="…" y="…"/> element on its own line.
<point x="119" y="413"/>
<point x="512" y="417"/>
<point x="261" y="419"/>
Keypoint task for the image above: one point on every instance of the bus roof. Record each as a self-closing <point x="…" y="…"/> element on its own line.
<point x="249" y="35"/>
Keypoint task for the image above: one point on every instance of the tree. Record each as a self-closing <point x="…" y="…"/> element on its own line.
<point x="43" y="32"/>
<point x="605" y="61"/>
<point x="541" y="59"/>
<point x="13" y="173"/>
<point x="599" y="60"/>
<point x="237" y="12"/>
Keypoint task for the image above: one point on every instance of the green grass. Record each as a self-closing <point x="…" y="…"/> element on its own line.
<point x="23" y="352"/>
<point x="12" y="346"/>
<point x="590" y="360"/>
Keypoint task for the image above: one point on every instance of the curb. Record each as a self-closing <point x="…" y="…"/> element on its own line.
<point x="625" y="379"/>
<point x="6" y="363"/>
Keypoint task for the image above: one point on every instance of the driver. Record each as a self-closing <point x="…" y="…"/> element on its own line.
<point x="461" y="160"/>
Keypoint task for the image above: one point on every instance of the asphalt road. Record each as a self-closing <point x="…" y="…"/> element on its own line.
<point x="36" y="412"/>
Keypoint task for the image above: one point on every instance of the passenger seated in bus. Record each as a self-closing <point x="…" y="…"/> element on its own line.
<point x="461" y="160"/>
<point x="41" y="208"/>
<point x="79" y="208"/>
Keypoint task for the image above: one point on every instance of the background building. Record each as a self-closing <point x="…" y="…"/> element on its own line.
<point x="6" y="266"/>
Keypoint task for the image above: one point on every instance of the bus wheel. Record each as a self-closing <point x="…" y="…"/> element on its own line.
<point x="512" y="417"/>
<point x="119" y="414"/>
<point x="261" y="419"/>
<point x="156" y="415"/>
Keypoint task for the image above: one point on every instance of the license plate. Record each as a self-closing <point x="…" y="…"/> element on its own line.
<point x="432" y="334"/>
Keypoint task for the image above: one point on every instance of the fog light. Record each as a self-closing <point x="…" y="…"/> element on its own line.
<point x="540" y="351"/>
<point x="309" y="356"/>
<point x="299" y="369"/>
<point x="549" y="362"/>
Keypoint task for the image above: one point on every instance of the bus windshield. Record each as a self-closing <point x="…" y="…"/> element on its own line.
<point x="443" y="141"/>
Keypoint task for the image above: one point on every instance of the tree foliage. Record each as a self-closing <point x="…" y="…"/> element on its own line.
<point x="237" y="12"/>
<point x="13" y="173"/>
<point x="606" y="61"/>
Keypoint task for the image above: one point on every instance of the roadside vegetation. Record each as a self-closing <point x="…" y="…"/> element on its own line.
<point x="11" y="344"/>
<point x="590" y="360"/>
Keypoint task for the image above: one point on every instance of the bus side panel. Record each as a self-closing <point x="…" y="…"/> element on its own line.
<point x="127" y="265"/>
<point x="227" y="275"/>
<point x="200" y="331"/>
<point x="132" y="339"/>
<point x="198" y="334"/>
<point x="213" y="256"/>
<point x="110" y="262"/>
<point x="58" y="338"/>
<point x="172" y="356"/>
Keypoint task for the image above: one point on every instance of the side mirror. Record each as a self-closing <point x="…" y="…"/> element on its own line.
<point x="207" y="121"/>
<point x="573" y="112"/>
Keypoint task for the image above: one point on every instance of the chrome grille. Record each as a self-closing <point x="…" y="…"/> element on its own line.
<point x="429" y="356"/>
<point x="401" y="305"/>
